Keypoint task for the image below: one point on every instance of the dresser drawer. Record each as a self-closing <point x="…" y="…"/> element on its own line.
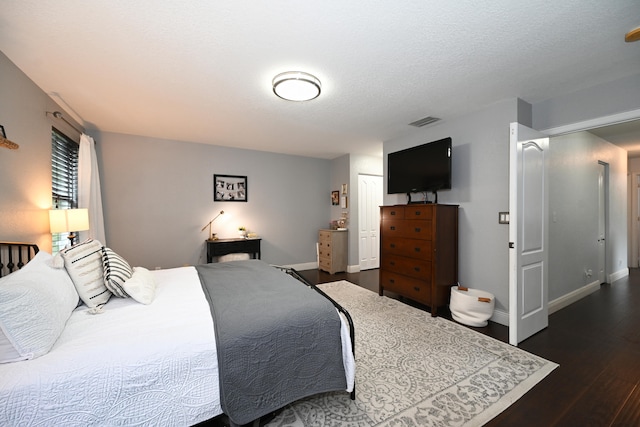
<point x="392" y="212"/>
<point x="412" y="229"/>
<point x="413" y="248"/>
<point x="324" y="252"/>
<point x="419" y="269"/>
<point x="324" y="263"/>
<point x="418" y="212"/>
<point x="324" y="247"/>
<point x="415" y="289"/>
<point x="324" y="236"/>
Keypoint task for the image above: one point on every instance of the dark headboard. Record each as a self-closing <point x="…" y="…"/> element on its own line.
<point x="14" y="255"/>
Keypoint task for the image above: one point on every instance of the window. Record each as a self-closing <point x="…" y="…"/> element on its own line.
<point x="64" y="179"/>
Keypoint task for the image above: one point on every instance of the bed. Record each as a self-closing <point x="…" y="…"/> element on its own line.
<point x="124" y="362"/>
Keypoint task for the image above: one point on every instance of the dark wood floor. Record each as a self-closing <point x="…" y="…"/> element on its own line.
<point x="596" y="342"/>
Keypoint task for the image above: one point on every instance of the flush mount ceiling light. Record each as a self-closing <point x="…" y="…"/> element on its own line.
<point x="296" y="86"/>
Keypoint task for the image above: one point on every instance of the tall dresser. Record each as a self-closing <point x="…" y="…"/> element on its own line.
<point x="332" y="250"/>
<point x="419" y="252"/>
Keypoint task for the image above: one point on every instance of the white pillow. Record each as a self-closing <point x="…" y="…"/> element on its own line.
<point x="84" y="265"/>
<point x="116" y="271"/>
<point x="35" y="303"/>
<point x="142" y="286"/>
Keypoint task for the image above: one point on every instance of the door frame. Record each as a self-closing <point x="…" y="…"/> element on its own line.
<point x="603" y="215"/>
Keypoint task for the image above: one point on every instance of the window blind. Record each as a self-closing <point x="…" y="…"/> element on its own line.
<point x="64" y="179"/>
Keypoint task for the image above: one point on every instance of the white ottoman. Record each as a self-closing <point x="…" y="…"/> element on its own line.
<point x="471" y="307"/>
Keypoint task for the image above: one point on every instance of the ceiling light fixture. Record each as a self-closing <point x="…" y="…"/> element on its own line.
<point x="296" y="86"/>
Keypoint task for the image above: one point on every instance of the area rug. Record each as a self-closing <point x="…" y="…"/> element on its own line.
<point x="416" y="370"/>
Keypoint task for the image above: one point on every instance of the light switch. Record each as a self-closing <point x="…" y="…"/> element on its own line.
<point x="503" y="217"/>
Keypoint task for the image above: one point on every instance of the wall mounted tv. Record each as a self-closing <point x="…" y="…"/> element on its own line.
<point x="425" y="168"/>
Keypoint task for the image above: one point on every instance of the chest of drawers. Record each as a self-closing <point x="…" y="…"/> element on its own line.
<point x="419" y="252"/>
<point x="332" y="250"/>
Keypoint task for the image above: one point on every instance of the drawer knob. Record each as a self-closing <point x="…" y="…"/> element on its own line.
<point x="392" y="281"/>
<point x="417" y="229"/>
<point x="417" y="289"/>
<point x="393" y="227"/>
<point x="393" y="245"/>
<point x="392" y="263"/>
<point x="393" y="212"/>
<point x="416" y="269"/>
<point x="416" y="249"/>
<point x="418" y="212"/>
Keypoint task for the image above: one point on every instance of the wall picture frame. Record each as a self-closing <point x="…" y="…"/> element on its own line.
<point x="230" y="188"/>
<point x="335" y="198"/>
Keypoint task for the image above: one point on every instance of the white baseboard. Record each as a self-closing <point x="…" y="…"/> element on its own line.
<point x="303" y="266"/>
<point x="618" y="275"/>
<point x="353" y="269"/>
<point x="571" y="297"/>
<point x="501" y="317"/>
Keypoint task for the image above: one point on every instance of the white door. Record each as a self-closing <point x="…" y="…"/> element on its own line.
<point x="602" y="215"/>
<point x="528" y="232"/>
<point x="369" y="201"/>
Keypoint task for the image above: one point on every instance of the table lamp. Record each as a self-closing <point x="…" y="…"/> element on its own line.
<point x="68" y="221"/>
<point x="211" y="235"/>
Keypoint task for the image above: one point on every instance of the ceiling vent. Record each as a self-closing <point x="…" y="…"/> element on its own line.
<point x="424" y="122"/>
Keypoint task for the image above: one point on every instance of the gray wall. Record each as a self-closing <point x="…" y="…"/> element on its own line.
<point x="158" y="194"/>
<point x="573" y="204"/>
<point x="613" y="97"/>
<point x="480" y="186"/>
<point x="25" y="173"/>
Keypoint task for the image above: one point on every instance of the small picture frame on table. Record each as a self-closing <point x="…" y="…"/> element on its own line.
<point x="230" y="188"/>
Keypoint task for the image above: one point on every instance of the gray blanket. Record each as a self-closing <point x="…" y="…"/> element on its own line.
<point x="277" y="340"/>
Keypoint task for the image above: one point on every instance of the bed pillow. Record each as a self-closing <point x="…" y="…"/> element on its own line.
<point x="142" y="286"/>
<point x="83" y="262"/>
<point x="116" y="271"/>
<point x="35" y="304"/>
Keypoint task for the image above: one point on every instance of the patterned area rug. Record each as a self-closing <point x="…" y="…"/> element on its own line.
<point x="417" y="370"/>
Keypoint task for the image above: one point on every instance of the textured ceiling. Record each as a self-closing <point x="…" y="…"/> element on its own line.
<point x="201" y="70"/>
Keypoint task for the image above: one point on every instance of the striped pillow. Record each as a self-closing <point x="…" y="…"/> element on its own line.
<point x="116" y="271"/>
<point x="83" y="262"/>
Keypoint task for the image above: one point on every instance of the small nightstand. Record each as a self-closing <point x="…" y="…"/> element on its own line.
<point x="233" y="246"/>
<point x="332" y="250"/>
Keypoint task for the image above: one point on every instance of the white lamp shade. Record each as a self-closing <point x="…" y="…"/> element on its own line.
<point x="296" y="86"/>
<point x="66" y="220"/>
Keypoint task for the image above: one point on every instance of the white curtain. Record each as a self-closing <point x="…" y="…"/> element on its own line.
<point x="89" y="194"/>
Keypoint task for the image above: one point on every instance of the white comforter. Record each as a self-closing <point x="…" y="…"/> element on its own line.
<point x="133" y="364"/>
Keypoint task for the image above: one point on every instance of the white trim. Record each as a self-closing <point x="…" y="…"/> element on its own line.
<point x="353" y="268"/>
<point x="501" y="317"/>
<point x="302" y="267"/>
<point x="594" y="123"/>
<point x="618" y="275"/>
<point x="571" y="297"/>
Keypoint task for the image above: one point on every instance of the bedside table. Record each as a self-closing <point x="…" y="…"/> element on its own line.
<point x="233" y="246"/>
<point x="332" y="250"/>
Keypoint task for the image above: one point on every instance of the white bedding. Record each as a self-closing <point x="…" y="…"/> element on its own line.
<point x="117" y="366"/>
<point x="133" y="364"/>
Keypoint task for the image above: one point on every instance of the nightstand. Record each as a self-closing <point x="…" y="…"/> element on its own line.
<point x="332" y="250"/>
<point x="216" y="248"/>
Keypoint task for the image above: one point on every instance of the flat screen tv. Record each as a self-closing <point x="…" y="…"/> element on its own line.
<point x="425" y="168"/>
